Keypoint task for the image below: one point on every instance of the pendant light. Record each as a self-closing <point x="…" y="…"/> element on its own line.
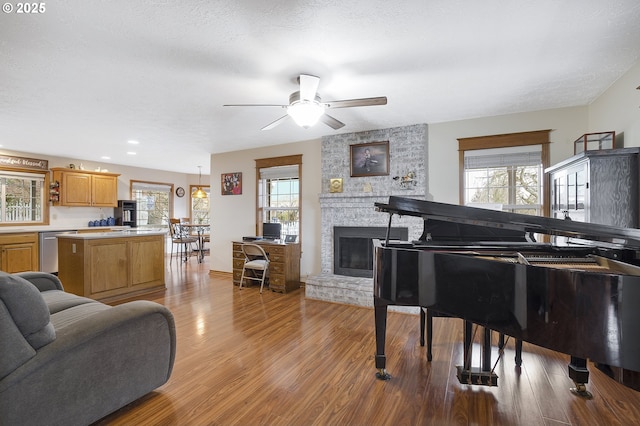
<point x="199" y="193"/>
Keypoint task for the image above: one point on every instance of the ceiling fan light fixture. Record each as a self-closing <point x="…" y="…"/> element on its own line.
<point x="305" y="113"/>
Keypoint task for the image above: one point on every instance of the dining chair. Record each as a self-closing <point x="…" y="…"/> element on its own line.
<point x="179" y="238"/>
<point x="256" y="262"/>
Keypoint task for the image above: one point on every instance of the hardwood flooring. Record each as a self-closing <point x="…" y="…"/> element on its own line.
<point x="280" y="359"/>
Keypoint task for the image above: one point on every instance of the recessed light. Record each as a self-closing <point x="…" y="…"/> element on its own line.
<point x="131" y="153"/>
<point x="106" y="157"/>
<point x="132" y="142"/>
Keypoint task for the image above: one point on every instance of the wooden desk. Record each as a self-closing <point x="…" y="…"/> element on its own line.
<point x="284" y="267"/>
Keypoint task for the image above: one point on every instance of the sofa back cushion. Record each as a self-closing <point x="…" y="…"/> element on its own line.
<point x="14" y="350"/>
<point x="28" y="310"/>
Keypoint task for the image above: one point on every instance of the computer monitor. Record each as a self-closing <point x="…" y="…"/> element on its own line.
<point x="271" y="231"/>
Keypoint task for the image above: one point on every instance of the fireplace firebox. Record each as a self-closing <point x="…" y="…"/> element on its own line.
<point x="353" y="248"/>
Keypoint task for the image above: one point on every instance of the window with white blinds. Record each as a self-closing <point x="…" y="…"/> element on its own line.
<point x="507" y="177"/>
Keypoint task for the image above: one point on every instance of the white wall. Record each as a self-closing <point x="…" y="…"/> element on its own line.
<point x="234" y="216"/>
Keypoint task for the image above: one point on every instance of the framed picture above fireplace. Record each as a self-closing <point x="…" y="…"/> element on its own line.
<point x="370" y="159"/>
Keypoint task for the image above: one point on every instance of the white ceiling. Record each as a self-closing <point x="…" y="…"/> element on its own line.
<point x="85" y="76"/>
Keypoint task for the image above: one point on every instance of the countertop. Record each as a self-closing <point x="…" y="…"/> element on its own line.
<point x="19" y="229"/>
<point x="125" y="233"/>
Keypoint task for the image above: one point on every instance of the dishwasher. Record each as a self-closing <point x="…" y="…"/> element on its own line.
<point x="49" y="250"/>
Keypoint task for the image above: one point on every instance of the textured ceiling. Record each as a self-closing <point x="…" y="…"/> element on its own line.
<point x="85" y="76"/>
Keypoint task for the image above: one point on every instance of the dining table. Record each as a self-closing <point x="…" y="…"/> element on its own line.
<point x="201" y="230"/>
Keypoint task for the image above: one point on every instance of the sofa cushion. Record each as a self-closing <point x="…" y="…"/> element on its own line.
<point x="27" y="309"/>
<point x="58" y="300"/>
<point x="71" y="316"/>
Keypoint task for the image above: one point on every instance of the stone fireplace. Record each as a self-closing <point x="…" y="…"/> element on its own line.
<point x="355" y="206"/>
<point x="353" y="250"/>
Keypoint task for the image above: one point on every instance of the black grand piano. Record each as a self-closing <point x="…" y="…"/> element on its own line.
<point x="581" y="297"/>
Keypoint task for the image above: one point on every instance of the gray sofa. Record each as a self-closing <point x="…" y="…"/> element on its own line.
<point x="69" y="360"/>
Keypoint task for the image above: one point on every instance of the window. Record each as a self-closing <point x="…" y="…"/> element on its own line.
<point x="506" y="171"/>
<point x="279" y="193"/>
<point x="199" y="206"/>
<point x="153" y="203"/>
<point x="23" y="197"/>
<point x="509" y="177"/>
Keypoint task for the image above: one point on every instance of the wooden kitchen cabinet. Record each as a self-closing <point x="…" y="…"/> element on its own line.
<point x="86" y="189"/>
<point x="109" y="266"/>
<point x="284" y="265"/>
<point x="19" y="252"/>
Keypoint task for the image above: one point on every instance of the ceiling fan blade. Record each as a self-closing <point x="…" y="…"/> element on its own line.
<point x="308" y="87"/>
<point x="255" y="105"/>
<point x="331" y="122"/>
<point x="348" y="103"/>
<point x="275" y="123"/>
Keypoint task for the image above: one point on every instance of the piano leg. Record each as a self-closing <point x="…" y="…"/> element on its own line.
<point x="518" y="352"/>
<point x="518" y="357"/>
<point x="380" y="313"/>
<point x="422" y="321"/>
<point x="579" y="373"/>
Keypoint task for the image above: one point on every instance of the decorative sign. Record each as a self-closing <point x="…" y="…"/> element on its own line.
<point x="7" y="161"/>
<point x="335" y="185"/>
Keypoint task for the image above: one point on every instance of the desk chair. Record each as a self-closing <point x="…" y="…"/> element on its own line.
<point x="256" y="261"/>
<point x="179" y="238"/>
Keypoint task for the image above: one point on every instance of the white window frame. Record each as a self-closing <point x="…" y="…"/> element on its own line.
<point x="41" y="205"/>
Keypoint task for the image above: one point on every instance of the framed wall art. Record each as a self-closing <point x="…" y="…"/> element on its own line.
<point x="370" y="159"/>
<point x="231" y="183"/>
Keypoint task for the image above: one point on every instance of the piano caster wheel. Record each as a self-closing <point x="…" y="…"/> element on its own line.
<point x="382" y="374"/>
<point x="581" y="391"/>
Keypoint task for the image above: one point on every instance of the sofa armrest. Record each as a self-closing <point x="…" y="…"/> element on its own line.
<point x="109" y="359"/>
<point x="43" y="280"/>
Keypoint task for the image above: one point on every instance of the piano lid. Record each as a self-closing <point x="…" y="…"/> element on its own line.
<point x="622" y="237"/>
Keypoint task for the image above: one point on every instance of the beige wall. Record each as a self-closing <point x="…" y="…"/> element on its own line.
<point x="567" y="125"/>
<point x="80" y="216"/>
<point x="618" y="109"/>
<point x="233" y="216"/>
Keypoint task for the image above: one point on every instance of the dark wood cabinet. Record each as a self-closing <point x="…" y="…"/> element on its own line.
<point x="597" y="187"/>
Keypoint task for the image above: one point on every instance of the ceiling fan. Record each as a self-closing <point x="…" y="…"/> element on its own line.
<point x="306" y="107"/>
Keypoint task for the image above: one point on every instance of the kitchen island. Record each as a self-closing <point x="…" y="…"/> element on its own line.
<point x="107" y="266"/>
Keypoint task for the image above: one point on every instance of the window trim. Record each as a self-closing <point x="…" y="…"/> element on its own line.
<point x="536" y="137"/>
<point x="288" y="160"/>
<point x="45" y="196"/>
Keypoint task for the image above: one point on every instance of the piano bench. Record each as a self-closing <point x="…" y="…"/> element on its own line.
<point x="426" y="319"/>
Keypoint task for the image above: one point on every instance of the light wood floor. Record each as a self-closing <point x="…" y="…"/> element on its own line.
<point x="280" y="359"/>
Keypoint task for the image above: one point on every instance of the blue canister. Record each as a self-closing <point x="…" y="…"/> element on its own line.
<point x="103" y="222"/>
<point x="91" y="223"/>
<point x="111" y="221"/>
